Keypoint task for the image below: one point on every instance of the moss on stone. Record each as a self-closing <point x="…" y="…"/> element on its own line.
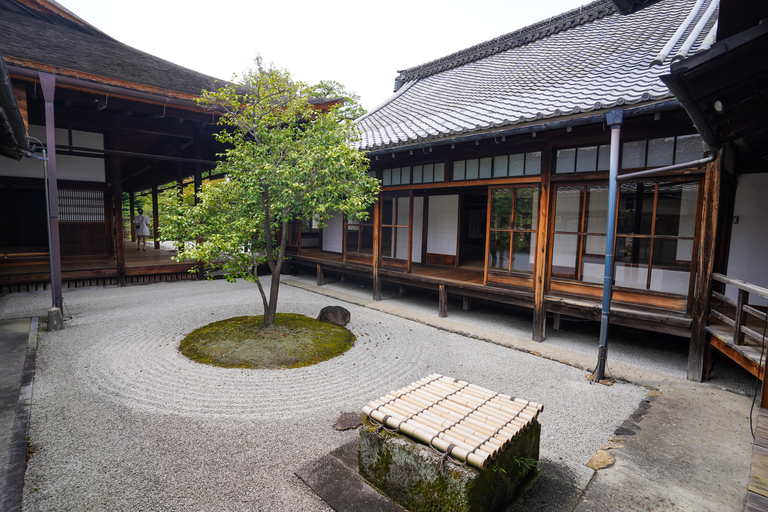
<point x="242" y="342"/>
<point x="406" y="471"/>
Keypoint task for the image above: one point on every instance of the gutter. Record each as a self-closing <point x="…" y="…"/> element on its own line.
<point x="13" y="117"/>
<point x="539" y="127"/>
<point x="113" y="90"/>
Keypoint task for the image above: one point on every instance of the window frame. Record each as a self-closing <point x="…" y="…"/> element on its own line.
<point x="657" y="181"/>
<point x="512" y="230"/>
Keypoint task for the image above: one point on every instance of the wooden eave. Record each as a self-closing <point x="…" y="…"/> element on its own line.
<point x="104" y="81"/>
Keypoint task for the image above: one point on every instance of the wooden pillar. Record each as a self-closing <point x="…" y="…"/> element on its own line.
<point x="410" y="232"/>
<point x="131" y="203"/>
<point x="198" y="187"/>
<point x="443" y="302"/>
<point x="117" y="179"/>
<point x="541" y="273"/>
<point x="376" y="249"/>
<point x="700" y="350"/>
<point x="319" y="275"/>
<point x="556" y="322"/>
<point x="465" y="305"/>
<point x="741" y="317"/>
<point x="198" y="170"/>
<point x="155" y="218"/>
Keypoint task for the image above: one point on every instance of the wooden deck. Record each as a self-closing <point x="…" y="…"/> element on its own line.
<point x="467" y="282"/>
<point x="757" y="496"/>
<point x="29" y="274"/>
<point x="749" y="355"/>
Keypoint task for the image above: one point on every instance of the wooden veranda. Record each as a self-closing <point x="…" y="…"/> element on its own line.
<point x="737" y="328"/>
<point x="467" y="283"/>
<point x="154" y="264"/>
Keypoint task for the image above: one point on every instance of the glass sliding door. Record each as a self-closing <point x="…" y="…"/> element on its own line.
<point x="512" y="230"/>
<point x="359" y="233"/>
<point x="656" y="228"/>
<point x="578" y="248"/>
<point x="395" y="229"/>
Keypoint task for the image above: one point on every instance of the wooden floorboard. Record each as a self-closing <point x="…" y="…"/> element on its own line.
<point x="81" y="271"/>
<point x="749" y="355"/>
<point x="757" y="498"/>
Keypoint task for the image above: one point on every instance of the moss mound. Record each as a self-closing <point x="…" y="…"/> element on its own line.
<point x="242" y="342"/>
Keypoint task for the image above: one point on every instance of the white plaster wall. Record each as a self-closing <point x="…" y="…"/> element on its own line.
<point x="333" y="233"/>
<point x="443" y="225"/>
<point x="749" y="238"/>
<point x="67" y="167"/>
<point x="418" y="228"/>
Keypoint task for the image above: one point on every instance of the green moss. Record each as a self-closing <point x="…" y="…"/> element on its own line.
<point x="242" y="342"/>
<point x="406" y="471"/>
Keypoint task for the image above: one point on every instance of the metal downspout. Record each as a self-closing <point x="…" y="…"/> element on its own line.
<point x="48" y="84"/>
<point x="614" y="118"/>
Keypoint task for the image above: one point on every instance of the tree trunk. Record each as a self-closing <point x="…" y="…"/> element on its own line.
<point x="269" y="313"/>
<point x="275" y="264"/>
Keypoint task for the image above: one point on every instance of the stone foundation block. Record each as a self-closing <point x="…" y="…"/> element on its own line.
<point x="406" y="472"/>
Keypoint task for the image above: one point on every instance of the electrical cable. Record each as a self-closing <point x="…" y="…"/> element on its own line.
<point x="757" y="381"/>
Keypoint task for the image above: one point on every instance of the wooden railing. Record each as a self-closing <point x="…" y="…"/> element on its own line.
<point x="738" y="328"/>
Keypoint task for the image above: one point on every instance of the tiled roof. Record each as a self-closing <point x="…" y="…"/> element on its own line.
<point x="42" y="31"/>
<point x="585" y="60"/>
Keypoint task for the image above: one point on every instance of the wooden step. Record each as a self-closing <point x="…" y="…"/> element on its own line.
<point x="750" y="357"/>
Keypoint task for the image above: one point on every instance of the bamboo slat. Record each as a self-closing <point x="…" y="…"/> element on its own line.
<point x="471" y="423"/>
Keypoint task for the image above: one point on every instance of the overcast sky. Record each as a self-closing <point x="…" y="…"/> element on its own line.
<point x="360" y="44"/>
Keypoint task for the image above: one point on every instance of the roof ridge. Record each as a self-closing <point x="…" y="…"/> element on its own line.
<point x="574" y="17"/>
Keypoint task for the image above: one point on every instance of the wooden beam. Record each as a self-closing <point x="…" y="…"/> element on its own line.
<point x="114" y="160"/>
<point x="443" y="302"/>
<point x="540" y="283"/>
<point x="741" y="317"/>
<point x="699" y="350"/>
<point x="410" y="232"/>
<point x="377" y="249"/>
<point x="132" y="213"/>
<point x="155" y="218"/>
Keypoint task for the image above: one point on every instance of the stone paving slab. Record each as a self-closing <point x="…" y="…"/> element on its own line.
<point x="334" y="478"/>
<point x="17" y="347"/>
<point x="690" y="452"/>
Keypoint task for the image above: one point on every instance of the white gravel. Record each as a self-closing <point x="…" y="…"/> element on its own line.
<point x="123" y="421"/>
<point x="652" y="351"/>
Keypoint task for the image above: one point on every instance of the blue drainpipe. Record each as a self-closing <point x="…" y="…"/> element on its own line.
<point x="614" y="119"/>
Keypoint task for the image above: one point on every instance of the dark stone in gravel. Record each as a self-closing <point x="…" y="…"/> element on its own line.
<point x="630" y="425"/>
<point x="349" y="420"/>
<point x="621" y="431"/>
<point x="336" y="315"/>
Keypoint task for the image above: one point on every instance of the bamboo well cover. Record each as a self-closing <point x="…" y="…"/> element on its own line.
<point x="471" y="423"/>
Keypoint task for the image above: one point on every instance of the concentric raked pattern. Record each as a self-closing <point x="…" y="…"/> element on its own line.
<point x="140" y="365"/>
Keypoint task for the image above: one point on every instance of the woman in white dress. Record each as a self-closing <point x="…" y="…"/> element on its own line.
<point x="142" y="230"/>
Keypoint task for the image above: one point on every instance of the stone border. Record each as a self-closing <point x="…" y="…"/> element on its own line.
<point x="17" y="459"/>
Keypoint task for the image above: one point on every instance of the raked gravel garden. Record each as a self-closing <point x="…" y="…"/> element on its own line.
<point x="121" y="420"/>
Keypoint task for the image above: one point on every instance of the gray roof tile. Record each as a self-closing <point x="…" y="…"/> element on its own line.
<point x="588" y="59"/>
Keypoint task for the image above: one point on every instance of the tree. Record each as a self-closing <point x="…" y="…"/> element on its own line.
<point x="350" y="107"/>
<point x="288" y="161"/>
